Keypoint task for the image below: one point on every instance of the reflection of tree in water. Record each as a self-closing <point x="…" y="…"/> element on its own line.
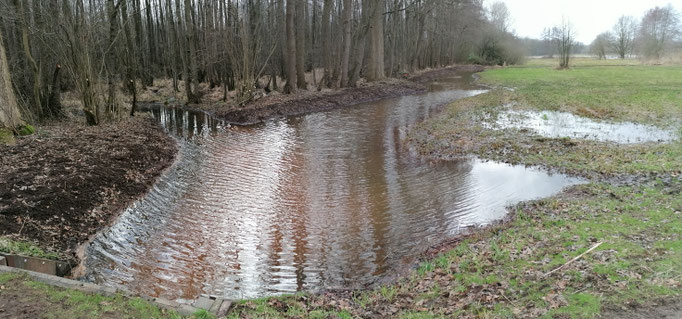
<point x="181" y="122"/>
<point x="328" y="199"/>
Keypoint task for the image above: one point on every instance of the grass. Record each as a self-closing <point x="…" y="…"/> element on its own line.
<point x="646" y="94"/>
<point x="632" y="205"/>
<point x="10" y="246"/>
<point x="580" y="62"/>
<point x="18" y="293"/>
<point x="633" y="93"/>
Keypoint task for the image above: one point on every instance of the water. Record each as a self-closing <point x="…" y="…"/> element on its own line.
<point x="324" y="200"/>
<point x="561" y="124"/>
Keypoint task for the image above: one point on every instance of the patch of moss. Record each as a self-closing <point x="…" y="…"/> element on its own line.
<point x="26" y="129"/>
<point x="6" y="136"/>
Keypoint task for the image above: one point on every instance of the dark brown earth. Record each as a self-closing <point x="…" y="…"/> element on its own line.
<point x="61" y="185"/>
<point x="665" y="310"/>
<point x="15" y="303"/>
<point x="312" y="101"/>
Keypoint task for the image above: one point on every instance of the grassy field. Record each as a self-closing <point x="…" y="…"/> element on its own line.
<point x="630" y="210"/>
<point x="649" y="94"/>
<point x="580" y="62"/>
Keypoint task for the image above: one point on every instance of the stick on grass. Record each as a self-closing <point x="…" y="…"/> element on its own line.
<point x="574" y="259"/>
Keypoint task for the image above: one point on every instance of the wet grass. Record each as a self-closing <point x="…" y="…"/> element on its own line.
<point x="23" y="297"/>
<point x="632" y="206"/>
<point x="645" y="94"/>
<point x="463" y="129"/>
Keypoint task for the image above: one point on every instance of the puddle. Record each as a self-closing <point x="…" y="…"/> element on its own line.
<point x="562" y="124"/>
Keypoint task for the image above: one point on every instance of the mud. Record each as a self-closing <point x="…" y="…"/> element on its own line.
<point x="310" y="101"/>
<point x="665" y="310"/>
<point x="63" y="184"/>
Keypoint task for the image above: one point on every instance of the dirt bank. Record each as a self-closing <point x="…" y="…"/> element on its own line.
<point x="276" y="104"/>
<point x="304" y="102"/>
<point x="63" y="184"/>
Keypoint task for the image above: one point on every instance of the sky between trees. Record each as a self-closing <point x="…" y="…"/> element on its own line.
<point x="590" y="17"/>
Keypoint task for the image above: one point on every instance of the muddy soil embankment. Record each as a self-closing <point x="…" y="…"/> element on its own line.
<point x="61" y="185"/>
<point x="309" y="101"/>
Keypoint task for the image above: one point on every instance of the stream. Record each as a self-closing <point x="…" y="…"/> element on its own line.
<point x="331" y="199"/>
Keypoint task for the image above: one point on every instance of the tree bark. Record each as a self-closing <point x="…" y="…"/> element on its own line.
<point x="35" y="69"/>
<point x="192" y="69"/>
<point x="9" y="112"/>
<point x="375" y="65"/>
<point x="345" y="58"/>
<point x="291" y="86"/>
<point x="300" y="44"/>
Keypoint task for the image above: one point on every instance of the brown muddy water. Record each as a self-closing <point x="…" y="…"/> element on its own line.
<point x="324" y="200"/>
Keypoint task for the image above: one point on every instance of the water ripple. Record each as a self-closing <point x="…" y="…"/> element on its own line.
<point x="327" y="199"/>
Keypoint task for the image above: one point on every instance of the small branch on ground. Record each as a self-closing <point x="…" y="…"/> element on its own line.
<point x="574" y="259"/>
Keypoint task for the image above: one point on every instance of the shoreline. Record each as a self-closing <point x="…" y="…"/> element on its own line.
<point x="64" y="184"/>
<point x="310" y="101"/>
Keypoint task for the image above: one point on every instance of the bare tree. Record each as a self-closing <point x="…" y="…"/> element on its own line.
<point x="191" y="65"/>
<point x="658" y="30"/>
<point x="600" y="45"/>
<point x="300" y="23"/>
<point x="105" y="49"/>
<point x="291" y="86"/>
<point x="375" y="64"/>
<point x="499" y="16"/>
<point x="345" y="57"/>
<point x="9" y="112"/>
<point x="547" y="42"/>
<point x="564" y="39"/>
<point x="623" y="39"/>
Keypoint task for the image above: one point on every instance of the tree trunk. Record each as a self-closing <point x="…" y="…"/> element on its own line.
<point x="192" y="69"/>
<point x="35" y="69"/>
<point x="375" y="65"/>
<point x="54" y="96"/>
<point x="291" y="86"/>
<point x="9" y="112"/>
<point x="345" y="58"/>
<point x="300" y="44"/>
<point x="112" y="57"/>
<point x="326" y="44"/>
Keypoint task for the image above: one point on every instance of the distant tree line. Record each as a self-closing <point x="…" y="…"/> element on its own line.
<point x="100" y="48"/>
<point x="658" y="33"/>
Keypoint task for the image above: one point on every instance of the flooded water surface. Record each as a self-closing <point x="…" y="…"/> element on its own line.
<point x="324" y="200"/>
<point x="562" y="124"/>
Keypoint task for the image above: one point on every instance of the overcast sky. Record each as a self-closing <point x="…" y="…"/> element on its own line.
<point x="590" y="17"/>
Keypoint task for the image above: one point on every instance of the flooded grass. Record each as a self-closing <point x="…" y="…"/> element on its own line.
<point x="562" y="124"/>
<point x="465" y="129"/>
<point x="632" y="209"/>
<point x="642" y="94"/>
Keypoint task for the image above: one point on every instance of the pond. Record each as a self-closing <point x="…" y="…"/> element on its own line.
<point x="332" y="199"/>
